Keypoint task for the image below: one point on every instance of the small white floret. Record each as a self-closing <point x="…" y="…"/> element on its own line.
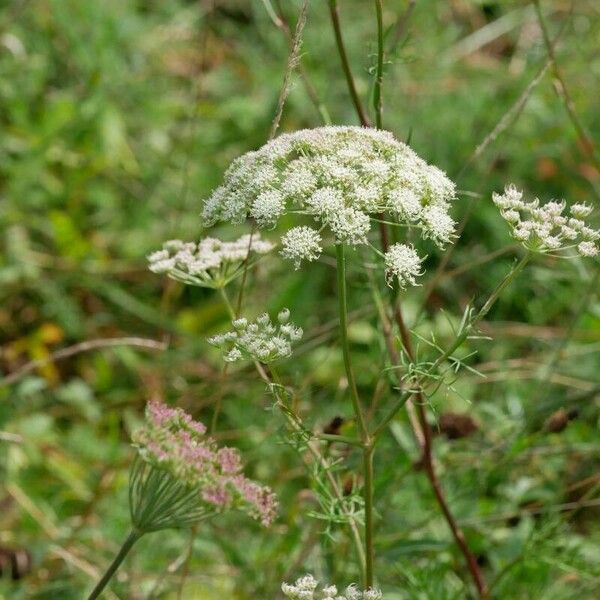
<point x="403" y="262"/>
<point x="267" y="208"/>
<point x="588" y="249"/>
<point x="438" y="224"/>
<point x="301" y="243"/>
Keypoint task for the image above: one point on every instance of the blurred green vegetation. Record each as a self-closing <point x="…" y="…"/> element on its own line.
<point x="116" y="120"/>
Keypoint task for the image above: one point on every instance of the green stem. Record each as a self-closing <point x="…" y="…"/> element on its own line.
<point x="502" y="286"/>
<point x="485" y="309"/>
<point x="343" y="315"/>
<point x="295" y="423"/>
<point x="314" y="451"/>
<point x="227" y="303"/>
<point x="398" y="404"/>
<point x="217" y="409"/>
<point x="342" y="439"/>
<point x="368" y="452"/>
<point x="586" y="141"/>
<point x="132" y="538"/>
<point x="335" y="21"/>
<point x="367" y="442"/>
<point x="377" y="99"/>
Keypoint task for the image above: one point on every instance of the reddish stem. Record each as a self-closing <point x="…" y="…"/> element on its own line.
<point x="427" y="461"/>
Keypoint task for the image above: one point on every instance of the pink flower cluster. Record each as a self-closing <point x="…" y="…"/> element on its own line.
<point x="174" y="442"/>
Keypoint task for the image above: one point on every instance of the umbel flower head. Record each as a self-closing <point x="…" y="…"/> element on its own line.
<point x="259" y="340"/>
<point x="180" y="476"/>
<point x="337" y="177"/>
<point x="402" y="262"/>
<point x="210" y="263"/>
<point x="546" y="228"/>
<point x="305" y="588"/>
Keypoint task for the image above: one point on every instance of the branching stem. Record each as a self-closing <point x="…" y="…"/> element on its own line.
<point x="367" y="442"/>
<point x="427" y="461"/>
<point x="295" y="423"/>
<point x="427" y="457"/>
<point x="312" y="448"/>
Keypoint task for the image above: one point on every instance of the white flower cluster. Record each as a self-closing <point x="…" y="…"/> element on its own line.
<point x="544" y="228"/>
<point x="305" y="588"/>
<point x="260" y="340"/>
<point x="403" y="262"/>
<point x="209" y="263"/>
<point x="338" y="176"/>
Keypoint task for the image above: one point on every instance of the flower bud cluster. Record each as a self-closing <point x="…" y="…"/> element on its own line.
<point x="173" y="443"/>
<point x="546" y="227"/>
<point x="305" y="588"/>
<point x="258" y="340"/>
<point x="209" y="263"/>
<point x="338" y="177"/>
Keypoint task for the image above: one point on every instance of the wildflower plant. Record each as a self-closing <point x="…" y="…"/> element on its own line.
<point x="180" y="477"/>
<point x="337" y="181"/>
<point x="355" y="192"/>
<point x="317" y="188"/>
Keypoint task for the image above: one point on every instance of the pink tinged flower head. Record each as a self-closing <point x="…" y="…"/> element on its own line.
<point x="174" y="443"/>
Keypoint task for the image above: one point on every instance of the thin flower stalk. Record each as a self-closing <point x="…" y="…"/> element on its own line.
<point x="377" y="92"/>
<point x="131" y="539"/>
<point x="274" y="384"/>
<point x="339" y="40"/>
<point x="367" y="443"/>
<point x="296" y="425"/>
